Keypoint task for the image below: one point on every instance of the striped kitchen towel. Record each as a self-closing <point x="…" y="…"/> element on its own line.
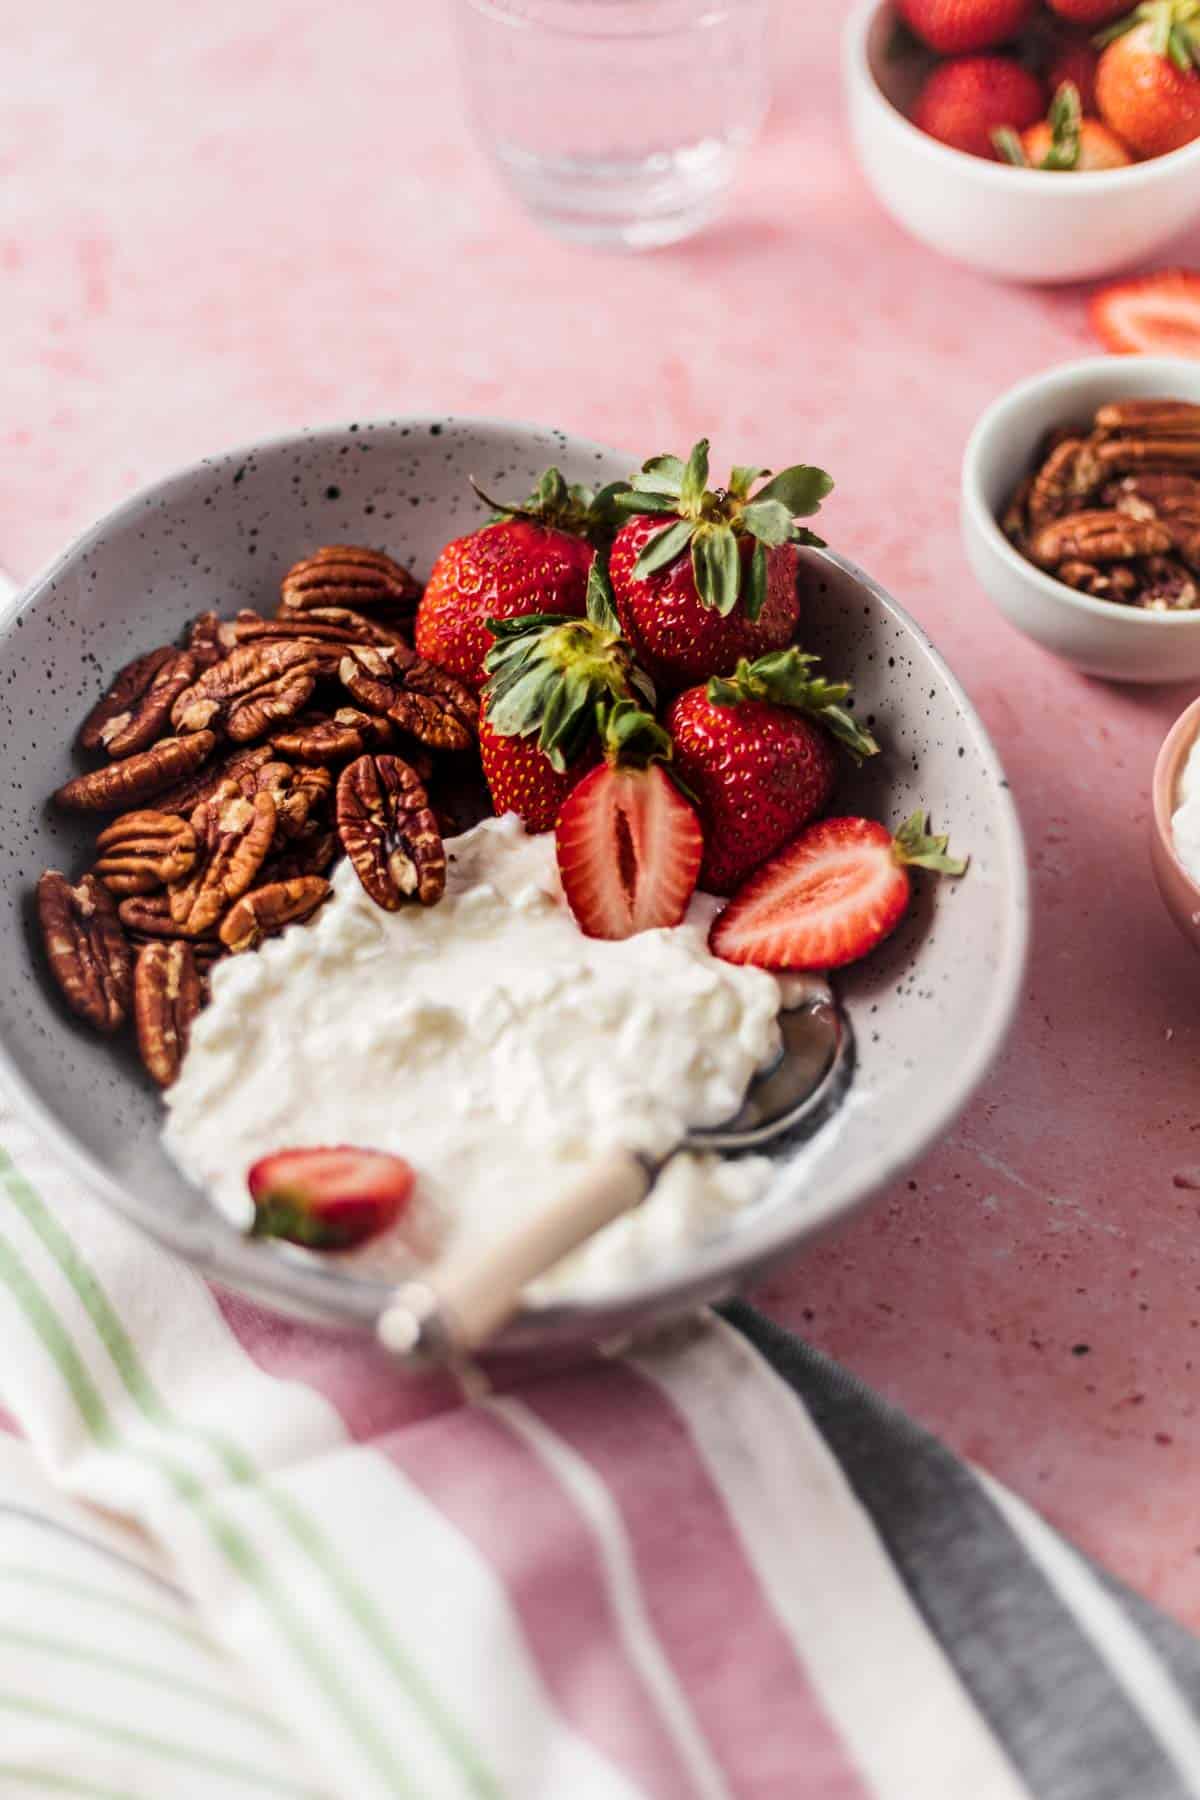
<point x="243" y="1557"/>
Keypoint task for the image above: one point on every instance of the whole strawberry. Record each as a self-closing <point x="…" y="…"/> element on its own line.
<point x="1088" y="12"/>
<point x="959" y="27"/>
<point x="719" y="580"/>
<point x="546" y="676"/>
<point x="965" y="102"/>
<point x="533" y="559"/>
<point x="1148" y="82"/>
<point x="757" y="751"/>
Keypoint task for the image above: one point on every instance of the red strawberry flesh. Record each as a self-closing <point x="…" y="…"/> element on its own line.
<point x="629" y="850"/>
<point x="1156" y="315"/>
<point x="328" y="1198"/>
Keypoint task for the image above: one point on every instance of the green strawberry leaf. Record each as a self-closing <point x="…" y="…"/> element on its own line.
<point x="1179" y="49"/>
<point x="742" y="478"/>
<point x="1009" y="146"/>
<point x="695" y="479"/>
<point x="756" y="591"/>
<point x="631" y="501"/>
<point x="716" y="567"/>
<point x="802" y="535"/>
<point x="800" y="488"/>
<point x="664" y="547"/>
<point x="913" y="847"/>
<point x="632" y="738"/>
<point x="768" y="520"/>
<point x="601" y="608"/>
<point x="785" y="678"/>
<point x="1066" y="117"/>
<point x="661" y="475"/>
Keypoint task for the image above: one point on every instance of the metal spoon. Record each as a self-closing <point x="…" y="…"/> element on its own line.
<point x="460" y="1303"/>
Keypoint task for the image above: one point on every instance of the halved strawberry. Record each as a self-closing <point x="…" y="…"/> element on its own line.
<point x="1157" y="315"/>
<point x="328" y="1199"/>
<point x="830" y="897"/>
<point x="629" y="845"/>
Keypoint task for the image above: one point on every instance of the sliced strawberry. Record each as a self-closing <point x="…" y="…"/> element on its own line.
<point x="1158" y="315"/>
<point x="629" y="845"/>
<point x="830" y="897"/>
<point x="328" y="1199"/>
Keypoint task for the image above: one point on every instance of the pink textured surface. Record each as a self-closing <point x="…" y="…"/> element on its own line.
<point x="248" y="219"/>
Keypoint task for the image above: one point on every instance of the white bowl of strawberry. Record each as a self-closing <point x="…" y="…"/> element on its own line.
<point x="725" y="761"/>
<point x="1036" y="140"/>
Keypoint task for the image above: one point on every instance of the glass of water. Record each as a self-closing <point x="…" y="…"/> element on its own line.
<point x="616" y="121"/>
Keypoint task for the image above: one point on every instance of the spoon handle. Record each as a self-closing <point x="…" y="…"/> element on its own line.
<point x="461" y="1302"/>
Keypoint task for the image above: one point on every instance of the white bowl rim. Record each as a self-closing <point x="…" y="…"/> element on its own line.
<point x="713" y="1271"/>
<point x="982" y="517"/>
<point x="858" y="69"/>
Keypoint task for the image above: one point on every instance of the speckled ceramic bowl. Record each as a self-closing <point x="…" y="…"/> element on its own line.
<point x="1181" y="894"/>
<point x="930" y="1010"/>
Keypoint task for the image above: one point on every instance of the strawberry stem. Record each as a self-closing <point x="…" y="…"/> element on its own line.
<point x="712" y="520"/>
<point x="913" y="847"/>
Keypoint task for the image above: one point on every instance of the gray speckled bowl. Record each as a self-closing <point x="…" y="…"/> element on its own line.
<point x="930" y="1010"/>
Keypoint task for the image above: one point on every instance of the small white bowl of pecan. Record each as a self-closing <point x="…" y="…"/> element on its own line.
<point x="1081" y="514"/>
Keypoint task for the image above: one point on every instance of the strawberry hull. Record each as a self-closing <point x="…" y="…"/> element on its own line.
<point x="675" y="637"/>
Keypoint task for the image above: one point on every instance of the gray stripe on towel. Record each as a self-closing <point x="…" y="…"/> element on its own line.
<point x="1064" y="1721"/>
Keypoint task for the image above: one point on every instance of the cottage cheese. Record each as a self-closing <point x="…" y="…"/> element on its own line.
<point x="492" y="1044"/>
<point x="1185" y="821"/>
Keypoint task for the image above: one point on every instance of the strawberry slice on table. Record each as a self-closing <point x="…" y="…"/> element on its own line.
<point x="328" y="1198"/>
<point x="546" y="677"/>
<point x="534" y="557"/>
<point x="1148" y="81"/>
<point x="1155" y="315"/>
<point x="702" y="576"/>
<point x="831" y="897"/>
<point x="757" y="750"/>
<point x="629" y="845"/>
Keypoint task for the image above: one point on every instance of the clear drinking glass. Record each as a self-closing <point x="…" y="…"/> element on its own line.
<point x="616" y="121"/>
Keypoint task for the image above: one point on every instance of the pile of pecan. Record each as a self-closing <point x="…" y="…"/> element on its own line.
<point x="240" y="766"/>
<point x="1114" y="510"/>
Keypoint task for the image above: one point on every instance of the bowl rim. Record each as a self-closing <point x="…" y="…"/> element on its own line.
<point x="859" y="72"/>
<point x="712" y="1271"/>
<point x="980" y="516"/>
<point x="1171" y="753"/>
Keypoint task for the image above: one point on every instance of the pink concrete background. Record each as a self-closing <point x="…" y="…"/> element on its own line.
<point x="230" y="220"/>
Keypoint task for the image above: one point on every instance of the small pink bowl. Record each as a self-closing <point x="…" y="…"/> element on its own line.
<point x="1180" y="893"/>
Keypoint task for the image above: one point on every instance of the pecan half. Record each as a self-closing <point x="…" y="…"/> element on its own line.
<point x="1015" y="523"/>
<point x="319" y="738"/>
<point x="1067" y="477"/>
<point x="137" y="706"/>
<point x="306" y="800"/>
<point x="185" y="796"/>
<point x="255" y="687"/>
<point x="139" y="777"/>
<point x="1098" y="537"/>
<point x="168" y="992"/>
<point x="1150" y="418"/>
<point x="311" y="854"/>
<point x="204" y="640"/>
<point x="430" y="705"/>
<point x="147" y="917"/>
<point x="88" y="953"/>
<point x="142" y="851"/>
<point x="1145" y="496"/>
<point x="389" y="833"/>
<point x="233" y="836"/>
<point x="347" y="575"/>
<point x="1119" y="455"/>
<point x="264" y="911"/>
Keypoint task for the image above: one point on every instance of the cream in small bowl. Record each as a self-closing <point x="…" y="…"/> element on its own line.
<point x="1175" y="823"/>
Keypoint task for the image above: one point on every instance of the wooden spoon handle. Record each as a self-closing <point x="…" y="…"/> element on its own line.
<point x="461" y="1302"/>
